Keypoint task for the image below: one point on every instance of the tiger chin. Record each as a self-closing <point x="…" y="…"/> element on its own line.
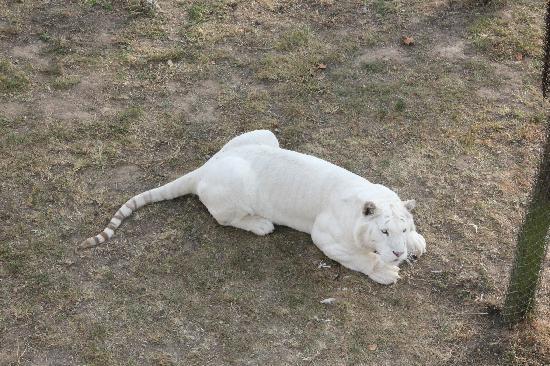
<point x="253" y="184"/>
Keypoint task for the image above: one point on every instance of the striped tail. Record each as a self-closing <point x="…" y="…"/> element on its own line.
<point x="179" y="187"/>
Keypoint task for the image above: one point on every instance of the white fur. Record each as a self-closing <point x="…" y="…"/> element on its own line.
<point x="252" y="183"/>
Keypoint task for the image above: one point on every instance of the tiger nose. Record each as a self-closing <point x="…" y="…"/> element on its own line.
<point x="397" y="254"/>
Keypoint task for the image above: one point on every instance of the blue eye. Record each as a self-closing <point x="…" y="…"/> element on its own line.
<point x="385" y="232"/>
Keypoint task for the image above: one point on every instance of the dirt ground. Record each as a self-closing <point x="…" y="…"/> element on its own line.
<point x="103" y="99"/>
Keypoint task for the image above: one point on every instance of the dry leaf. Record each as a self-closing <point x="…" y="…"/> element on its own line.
<point x="519" y="56"/>
<point x="322" y="66"/>
<point x="408" y="41"/>
<point x="372" y="347"/>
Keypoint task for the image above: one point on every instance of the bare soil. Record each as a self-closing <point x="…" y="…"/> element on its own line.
<point x="103" y="99"/>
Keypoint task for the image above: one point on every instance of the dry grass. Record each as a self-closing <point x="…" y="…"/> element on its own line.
<point x="102" y="99"/>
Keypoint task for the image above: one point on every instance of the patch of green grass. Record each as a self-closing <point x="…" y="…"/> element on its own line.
<point x="11" y="79"/>
<point x="105" y="4"/>
<point x="65" y="82"/>
<point x="400" y="105"/>
<point x="479" y="70"/>
<point x="122" y="122"/>
<point x="206" y="34"/>
<point x="97" y="331"/>
<point x="5" y="123"/>
<point x="374" y="98"/>
<point x="38" y="283"/>
<point x="53" y="69"/>
<point x="117" y="128"/>
<point x="62" y="132"/>
<point x="303" y="51"/>
<point x="504" y="38"/>
<point x="44" y="36"/>
<point x="200" y="12"/>
<point x="257" y="101"/>
<point x="153" y="31"/>
<point x="15" y="138"/>
<point x="14" y="260"/>
<point x="206" y="24"/>
<point x="441" y="281"/>
<point x="96" y="354"/>
<point x="173" y="54"/>
<point x="162" y="359"/>
<point x="140" y="8"/>
<point x="373" y="66"/>
<point x="383" y="7"/>
<point x="512" y="358"/>
<point x="56" y="45"/>
<point x="197" y="13"/>
<point x="275" y="67"/>
<point x="295" y="38"/>
<point x="59" y="46"/>
<point x="454" y="86"/>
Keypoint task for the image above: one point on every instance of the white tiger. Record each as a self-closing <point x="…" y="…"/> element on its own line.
<point x="252" y="183"/>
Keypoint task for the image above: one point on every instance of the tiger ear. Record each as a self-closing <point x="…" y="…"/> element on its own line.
<point x="369" y="208"/>
<point x="410" y="205"/>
